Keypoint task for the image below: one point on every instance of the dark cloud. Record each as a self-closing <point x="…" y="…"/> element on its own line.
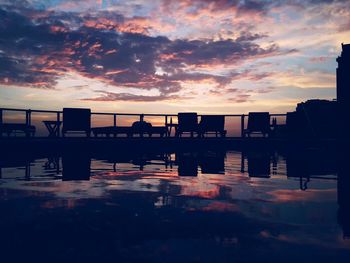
<point x="201" y="53"/>
<point x="37" y="47"/>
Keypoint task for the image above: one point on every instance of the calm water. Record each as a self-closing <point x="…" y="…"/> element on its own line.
<point x="189" y="207"/>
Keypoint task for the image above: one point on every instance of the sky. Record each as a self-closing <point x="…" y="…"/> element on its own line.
<point x="153" y="56"/>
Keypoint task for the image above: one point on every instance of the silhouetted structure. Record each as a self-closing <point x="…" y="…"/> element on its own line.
<point x="76" y="120"/>
<point x="317" y="119"/>
<point x="10" y="128"/>
<point x="313" y="119"/>
<point x="212" y="124"/>
<point x="343" y="89"/>
<point x="138" y="127"/>
<point x="258" y="122"/>
<point x="143" y="127"/>
<point x="187" y="122"/>
<point x="112" y="130"/>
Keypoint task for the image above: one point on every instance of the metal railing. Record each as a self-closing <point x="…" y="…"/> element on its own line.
<point x="141" y="116"/>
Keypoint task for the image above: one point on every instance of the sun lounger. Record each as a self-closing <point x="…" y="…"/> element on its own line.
<point x="258" y="122"/>
<point x="10" y="128"/>
<point x="76" y="120"/>
<point x="187" y="122"/>
<point x="212" y="124"/>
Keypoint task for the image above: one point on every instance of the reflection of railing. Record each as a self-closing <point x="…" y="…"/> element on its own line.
<point x="167" y="117"/>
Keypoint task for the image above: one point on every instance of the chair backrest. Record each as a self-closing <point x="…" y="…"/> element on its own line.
<point x="212" y="122"/>
<point x="76" y="119"/>
<point x="187" y="121"/>
<point x="259" y="122"/>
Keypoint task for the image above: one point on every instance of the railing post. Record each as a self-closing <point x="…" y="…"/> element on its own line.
<point x="58" y="124"/>
<point x="141" y="117"/>
<point x="114" y="120"/>
<point x="242" y="125"/>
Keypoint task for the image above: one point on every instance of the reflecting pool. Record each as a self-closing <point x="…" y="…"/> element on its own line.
<point x="176" y="206"/>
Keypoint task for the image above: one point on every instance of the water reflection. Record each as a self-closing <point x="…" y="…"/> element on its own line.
<point x="344" y="196"/>
<point x="230" y="201"/>
<point x="77" y="165"/>
<point x="259" y="163"/>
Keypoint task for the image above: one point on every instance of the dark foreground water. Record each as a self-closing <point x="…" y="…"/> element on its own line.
<point x="175" y="207"/>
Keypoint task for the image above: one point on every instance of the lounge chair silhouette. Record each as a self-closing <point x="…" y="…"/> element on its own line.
<point x="258" y="122"/>
<point x="187" y="122"/>
<point x="212" y="124"/>
<point x="10" y="128"/>
<point x="76" y="120"/>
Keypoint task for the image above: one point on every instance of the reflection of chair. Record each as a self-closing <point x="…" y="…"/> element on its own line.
<point x="259" y="165"/>
<point x="187" y="122"/>
<point x="258" y="122"/>
<point x="213" y="163"/>
<point x="16" y="160"/>
<point x="75" y="166"/>
<point x="187" y="164"/>
<point x="76" y="120"/>
<point x="212" y="124"/>
<point x="9" y="128"/>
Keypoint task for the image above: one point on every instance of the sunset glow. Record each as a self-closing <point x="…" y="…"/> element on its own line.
<point x="223" y="56"/>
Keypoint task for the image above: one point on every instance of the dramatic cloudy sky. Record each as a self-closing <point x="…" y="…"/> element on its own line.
<point x="226" y="56"/>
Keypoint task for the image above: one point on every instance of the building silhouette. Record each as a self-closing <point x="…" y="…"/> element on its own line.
<point x="318" y="118"/>
<point x="343" y="88"/>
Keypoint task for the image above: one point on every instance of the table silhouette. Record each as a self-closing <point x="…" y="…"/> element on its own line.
<point x="53" y="127"/>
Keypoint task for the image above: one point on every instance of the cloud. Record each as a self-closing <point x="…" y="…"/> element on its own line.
<point x="240" y="98"/>
<point x="36" y="48"/>
<point x="173" y="47"/>
<point x="111" y="96"/>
